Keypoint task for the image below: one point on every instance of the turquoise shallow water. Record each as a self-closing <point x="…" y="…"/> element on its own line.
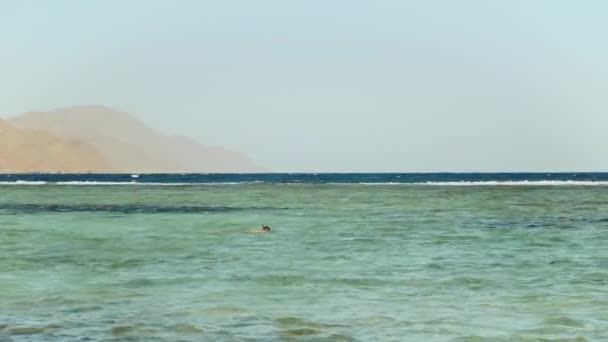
<point x="343" y="263"/>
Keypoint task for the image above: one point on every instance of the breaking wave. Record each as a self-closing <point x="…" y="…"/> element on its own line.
<point x="401" y="179"/>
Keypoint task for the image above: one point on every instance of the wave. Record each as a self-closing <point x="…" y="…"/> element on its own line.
<point x="428" y="183"/>
<point x="22" y="182"/>
<point x="113" y="183"/>
<point x="519" y="183"/>
<point x="474" y="183"/>
<point x="101" y="183"/>
<point x="31" y="208"/>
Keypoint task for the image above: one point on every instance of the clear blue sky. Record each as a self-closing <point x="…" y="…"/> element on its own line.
<point x="330" y="85"/>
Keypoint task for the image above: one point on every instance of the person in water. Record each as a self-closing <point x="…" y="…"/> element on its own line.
<point x="265" y="229"/>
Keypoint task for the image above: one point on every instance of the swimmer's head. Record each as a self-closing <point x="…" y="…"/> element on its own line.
<point x="265" y="228"/>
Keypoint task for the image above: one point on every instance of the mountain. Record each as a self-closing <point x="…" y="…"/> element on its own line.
<point x="24" y="150"/>
<point x="129" y="145"/>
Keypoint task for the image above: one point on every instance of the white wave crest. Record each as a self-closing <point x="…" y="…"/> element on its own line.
<point x="517" y="183"/>
<point x="102" y="183"/>
<point x="477" y="183"/>
<point x="429" y="183"/>
<point x="23" y="182"/>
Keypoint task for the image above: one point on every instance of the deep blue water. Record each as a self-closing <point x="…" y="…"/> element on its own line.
<point x="313" y="178"/>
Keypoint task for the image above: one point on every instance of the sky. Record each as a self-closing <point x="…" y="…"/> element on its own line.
<point x="330" y="85"/>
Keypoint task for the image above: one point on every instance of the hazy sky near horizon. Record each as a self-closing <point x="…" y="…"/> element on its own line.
<point x="324" y="85"/>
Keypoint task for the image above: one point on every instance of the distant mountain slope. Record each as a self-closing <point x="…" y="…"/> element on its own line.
<point x="130" y="146"/>
<point x="23" y="150"/>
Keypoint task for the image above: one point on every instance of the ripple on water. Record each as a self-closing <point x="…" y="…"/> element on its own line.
<point x="123" y="329"/>
<point x="82" y="309"/>
<point x="340" y="338"/>
<point x="555" y="338"/>
<point x="274" y="280"/>
<point x="139" y="283"/>
<point x="290" y="322"/>
<point x="477" y="338"/>
<point x="358" y="282"/>
<point x="564" y="321"/>
<point x="189" y="329"/>
<point x="593" y="278"/>
<point x="294" y="326"/>
<point x="134" y="330"/>
<point x="434" y="266"/>
<point x="195" y="277"/>
<point x="47" y="329"/>
<point x="226" y="312"/>
<point x="558" y="328"/>
<point x="469" y="282"/>
<point x="301" y="332"/>
<point x="128" y="263"/>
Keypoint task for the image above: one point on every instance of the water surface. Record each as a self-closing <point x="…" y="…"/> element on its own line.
<point x="345" y="262"/>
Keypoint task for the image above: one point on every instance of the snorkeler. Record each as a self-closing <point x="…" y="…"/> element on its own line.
<point x="265" y="229"/>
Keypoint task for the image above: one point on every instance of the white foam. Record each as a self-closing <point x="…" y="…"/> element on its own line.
<point x="143" y="184"/>
<point x="93" y="183"/>
<point x="121" y="183"/>
<point x="458" y="183"/>
<point x="22" y="182"/>
<point x="125" y="183"/>
<point x="478" y="183"/>
<point x="462" y="183"/>
<point x="518" y="183"/>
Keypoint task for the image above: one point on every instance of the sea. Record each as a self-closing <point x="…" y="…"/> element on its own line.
<point x="350" y="257"/>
